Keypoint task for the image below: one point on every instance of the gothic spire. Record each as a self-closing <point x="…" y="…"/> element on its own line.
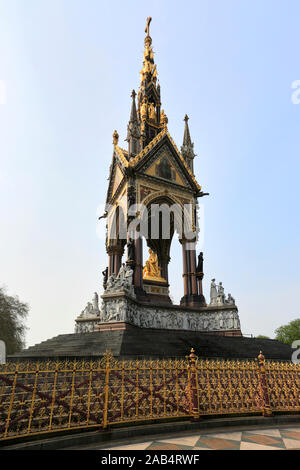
<point x="133" y="130"/>
<point x="186" y="136"/>
<point x="187" y="148"/>
<point x="149" y="105"/>
<point x="133" y="113"/>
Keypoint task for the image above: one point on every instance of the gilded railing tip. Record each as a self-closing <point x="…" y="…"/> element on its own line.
<point x="261" y="357"/>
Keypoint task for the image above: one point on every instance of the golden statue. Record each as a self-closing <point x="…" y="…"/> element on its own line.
<point x="144" y="108"/>
<point x="152" y="113"/>
<point x="163" y="118"/>
<point x="152" y="271"/>
<point x="115" y="138"/>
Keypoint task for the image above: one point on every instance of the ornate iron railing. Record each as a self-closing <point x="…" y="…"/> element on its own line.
<point x="45" y="397"/>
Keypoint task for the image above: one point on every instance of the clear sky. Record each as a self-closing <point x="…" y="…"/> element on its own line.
<point x="67" y="68"/>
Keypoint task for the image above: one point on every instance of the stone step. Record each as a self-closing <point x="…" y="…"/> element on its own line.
<point x="140" y="342"/>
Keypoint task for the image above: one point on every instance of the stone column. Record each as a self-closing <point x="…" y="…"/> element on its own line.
<point x="117" y="263"/>
<point x="192" y="255"/>
<point x="110" y="264"/>
<point x="114" y="260"/>
<point x="185" y="270"/>
<point x="193" y="296"/>
<point x="200" y="288"/>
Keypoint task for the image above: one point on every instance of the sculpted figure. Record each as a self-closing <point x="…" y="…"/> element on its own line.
<point x="144" y="108"/>
<point x="200" y="263"/>
<point x="230" y="321"/>
<point x="128" y="276"/>
<point x="151" y="269"/>
<point x="236" y="322"/>
<point x="158" y="321"/>
<point x="152" y="114"/>
<point x="121" y="273"/>
<point x="230" y="299"/>
<point x="221" y="294"/>
<point x="162" y="116"/>
<point x="110" y="281"/>
<point x="96" y="303"/>
<point x="130" y="250"/>
<point x="105" y="277"/>
<point x="88" y="310"/>
<point x="180" y="323"/>
<point x="123" y="281"/>
<point x="111" y="314"/>
<point x="213" y="293"/>
<point x="221" y="321"/>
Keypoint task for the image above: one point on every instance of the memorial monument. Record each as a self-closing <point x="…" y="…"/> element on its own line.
<point x="152" y="198"/>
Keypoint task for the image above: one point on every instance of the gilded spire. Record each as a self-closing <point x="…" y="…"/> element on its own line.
<point x="187" y="148"/>
<point x="148" y="72"/>
<point x="149" y="105"/>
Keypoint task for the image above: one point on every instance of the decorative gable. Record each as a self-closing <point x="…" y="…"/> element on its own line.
<point x="162" y="159"/>
<point x="165" y="168"/>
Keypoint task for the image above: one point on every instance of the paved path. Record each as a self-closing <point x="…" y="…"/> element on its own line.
<point x="275" y="438"/>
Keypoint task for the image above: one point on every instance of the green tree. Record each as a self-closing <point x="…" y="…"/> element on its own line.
<point x="262" y="337"/>
<point x="289" y="333"/>
<point x="12" y="316"/>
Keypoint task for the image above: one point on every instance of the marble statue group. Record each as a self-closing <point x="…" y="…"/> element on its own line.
<point x="217" y="295"/>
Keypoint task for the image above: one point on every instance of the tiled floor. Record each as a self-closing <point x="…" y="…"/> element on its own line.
<point x="259" y="439"/>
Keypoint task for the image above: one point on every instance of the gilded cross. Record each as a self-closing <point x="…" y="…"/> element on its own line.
<point x="148" y="25"/>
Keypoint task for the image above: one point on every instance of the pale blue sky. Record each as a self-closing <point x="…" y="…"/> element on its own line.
<point x="69" y="67"/>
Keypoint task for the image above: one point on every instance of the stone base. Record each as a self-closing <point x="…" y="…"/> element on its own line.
<point x="193" y="301"/>
<point x="86" y="324"/>
<point x="119" y="308"/>
<point x="156" y="292"/>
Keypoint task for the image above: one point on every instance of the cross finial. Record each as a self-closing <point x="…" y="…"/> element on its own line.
<point x="186" y="118"/>
<point x="148" y="25"/>
<point x="133" y="94"/>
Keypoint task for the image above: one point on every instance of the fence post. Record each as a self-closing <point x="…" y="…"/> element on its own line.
<point x="106" y="388"/>
<point x="193" y="388"/>
<point x="267" y="412"/>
